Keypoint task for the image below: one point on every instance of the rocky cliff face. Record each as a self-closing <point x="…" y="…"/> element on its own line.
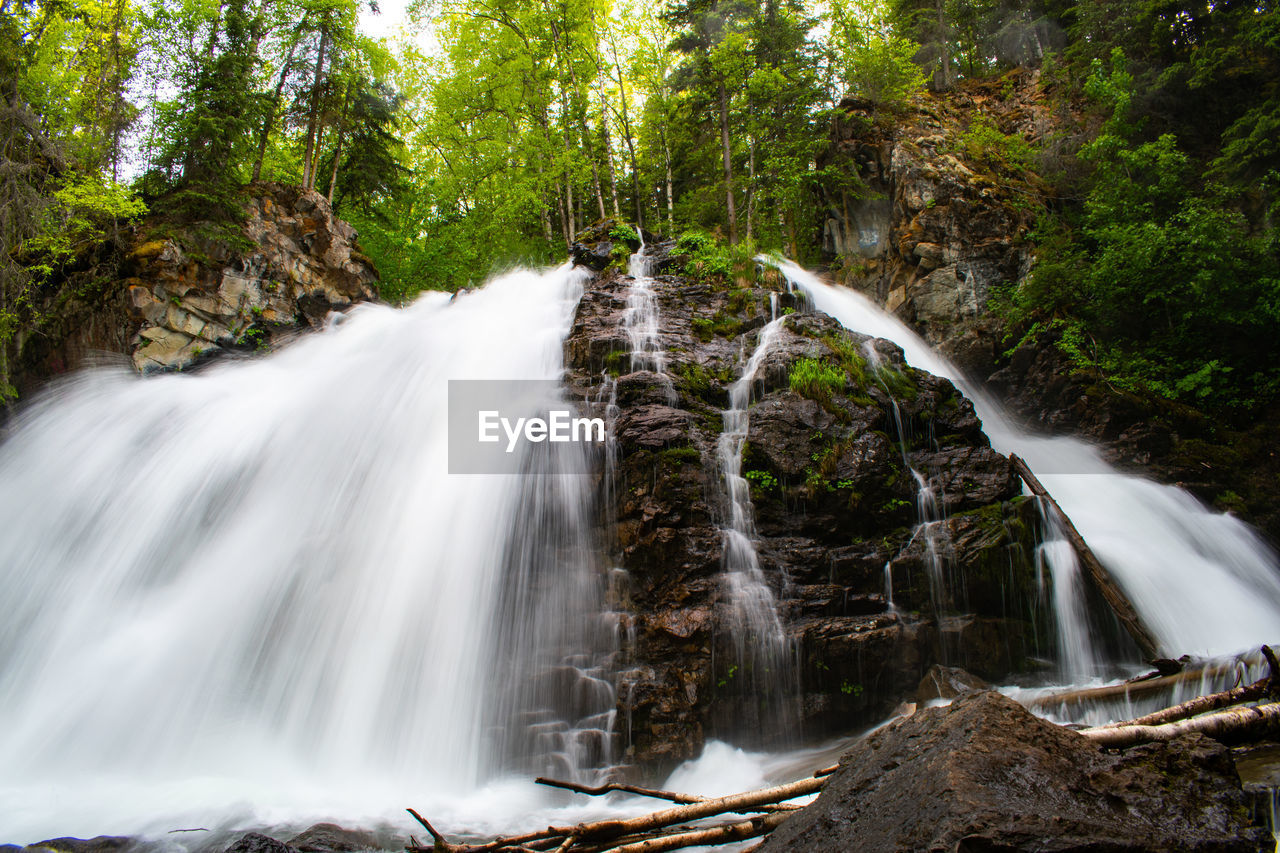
<point x="868" y="599"/>
<point x="169" y="304"/>
<point x="939" y="220"/>
<point x="943" y="218"/>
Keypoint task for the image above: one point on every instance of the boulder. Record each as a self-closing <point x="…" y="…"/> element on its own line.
<point x="984" y="774"/>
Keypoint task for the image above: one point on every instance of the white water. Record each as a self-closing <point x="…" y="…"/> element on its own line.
<point x="642" y="320"/>
<point x="1204" y="583"/>
<point x="761" y="644"/>
<point x="259" y="584"/>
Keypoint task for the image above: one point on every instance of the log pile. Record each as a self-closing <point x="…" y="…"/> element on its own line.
<point x="761" y="812"/>
<point x="1244" y="713"/>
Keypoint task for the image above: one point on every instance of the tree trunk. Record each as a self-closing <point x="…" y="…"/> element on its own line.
<point x="1120" y="604"/>
<point x="671" y="204"/>
<point x="728" y="164"/>
<point x="269" y="120"/>
<point x="313" y="118"/>
<point x="337" y="151"/>
<point x="944" y="53"/>
<point x="751" y="185"/>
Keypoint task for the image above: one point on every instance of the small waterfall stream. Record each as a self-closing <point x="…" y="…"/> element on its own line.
<point x="761" y="645"/>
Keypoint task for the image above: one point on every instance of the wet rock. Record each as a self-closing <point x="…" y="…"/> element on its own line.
<point x="947" y="682"/>
<point x="983" y="774"/>
<point x="255" y="842"/>
<point x="835" y="511"/>
<point x="100" y="844"/>
<point x="330" y="838"/>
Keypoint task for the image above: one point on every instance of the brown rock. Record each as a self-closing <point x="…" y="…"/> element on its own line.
<point x="983" y="774"/>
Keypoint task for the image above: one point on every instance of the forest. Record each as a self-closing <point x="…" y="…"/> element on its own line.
<point x="490" y="131"/>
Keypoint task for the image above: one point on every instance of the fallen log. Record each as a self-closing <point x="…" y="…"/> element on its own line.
<point x="1115" y="597"/>
<point x="1128" y="689"/>
<point x="695" y="811"/>
<point x="1250" y="722"/>
<point x="721" y="834"/>
<point x="1200" y="705"/>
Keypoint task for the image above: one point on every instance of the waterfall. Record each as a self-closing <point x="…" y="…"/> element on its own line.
<point x="1205" y="583"/>
<point x="260" y="582"/>
<point x="760" y="643"/>
<point x="643" y="322"/>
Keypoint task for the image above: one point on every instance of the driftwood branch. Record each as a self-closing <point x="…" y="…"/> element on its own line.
<point x="599" y="790"/>
<point x="656" y="793"/>
<point x="1102" y="579"/>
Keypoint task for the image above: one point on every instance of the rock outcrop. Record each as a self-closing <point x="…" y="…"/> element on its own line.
<point x="942" y="219"/>
<point x="984" y="774"/>
<point x="938" y="222"/>
<point x="301" y="263"/>
<point x="171" y="302"/>
<point x="868" y="599"/>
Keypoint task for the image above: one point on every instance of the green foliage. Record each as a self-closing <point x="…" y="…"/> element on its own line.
<point x="707" y="256"/>
<point x="874" y="63"/>
<point x="1159" y="283"/>
<point x="761" y="481"/>
<point x="625" y="233"/>
<point x="816" y="380"/>
<point x="1006" y="154"/>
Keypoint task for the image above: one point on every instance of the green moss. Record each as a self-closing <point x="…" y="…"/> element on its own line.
<point x="682" y="454"/>
<point x="617" y="362"/>
<point x="703" y="329"/>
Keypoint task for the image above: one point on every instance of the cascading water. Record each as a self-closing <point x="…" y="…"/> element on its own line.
<point x="1078" y="658"/>
<point x="643" y="321"/>
<point x="1205" y="584"/>
<point x="930" y="521"/>
<point x="760" y="643"/>
<point x="260" y="584"/>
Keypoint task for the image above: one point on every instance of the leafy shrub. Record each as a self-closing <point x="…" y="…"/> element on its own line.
<point x="814" y="379"/>
<point x="985" y="145"/>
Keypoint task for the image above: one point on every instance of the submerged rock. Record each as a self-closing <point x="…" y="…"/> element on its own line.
<point x="984" y="774"/>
